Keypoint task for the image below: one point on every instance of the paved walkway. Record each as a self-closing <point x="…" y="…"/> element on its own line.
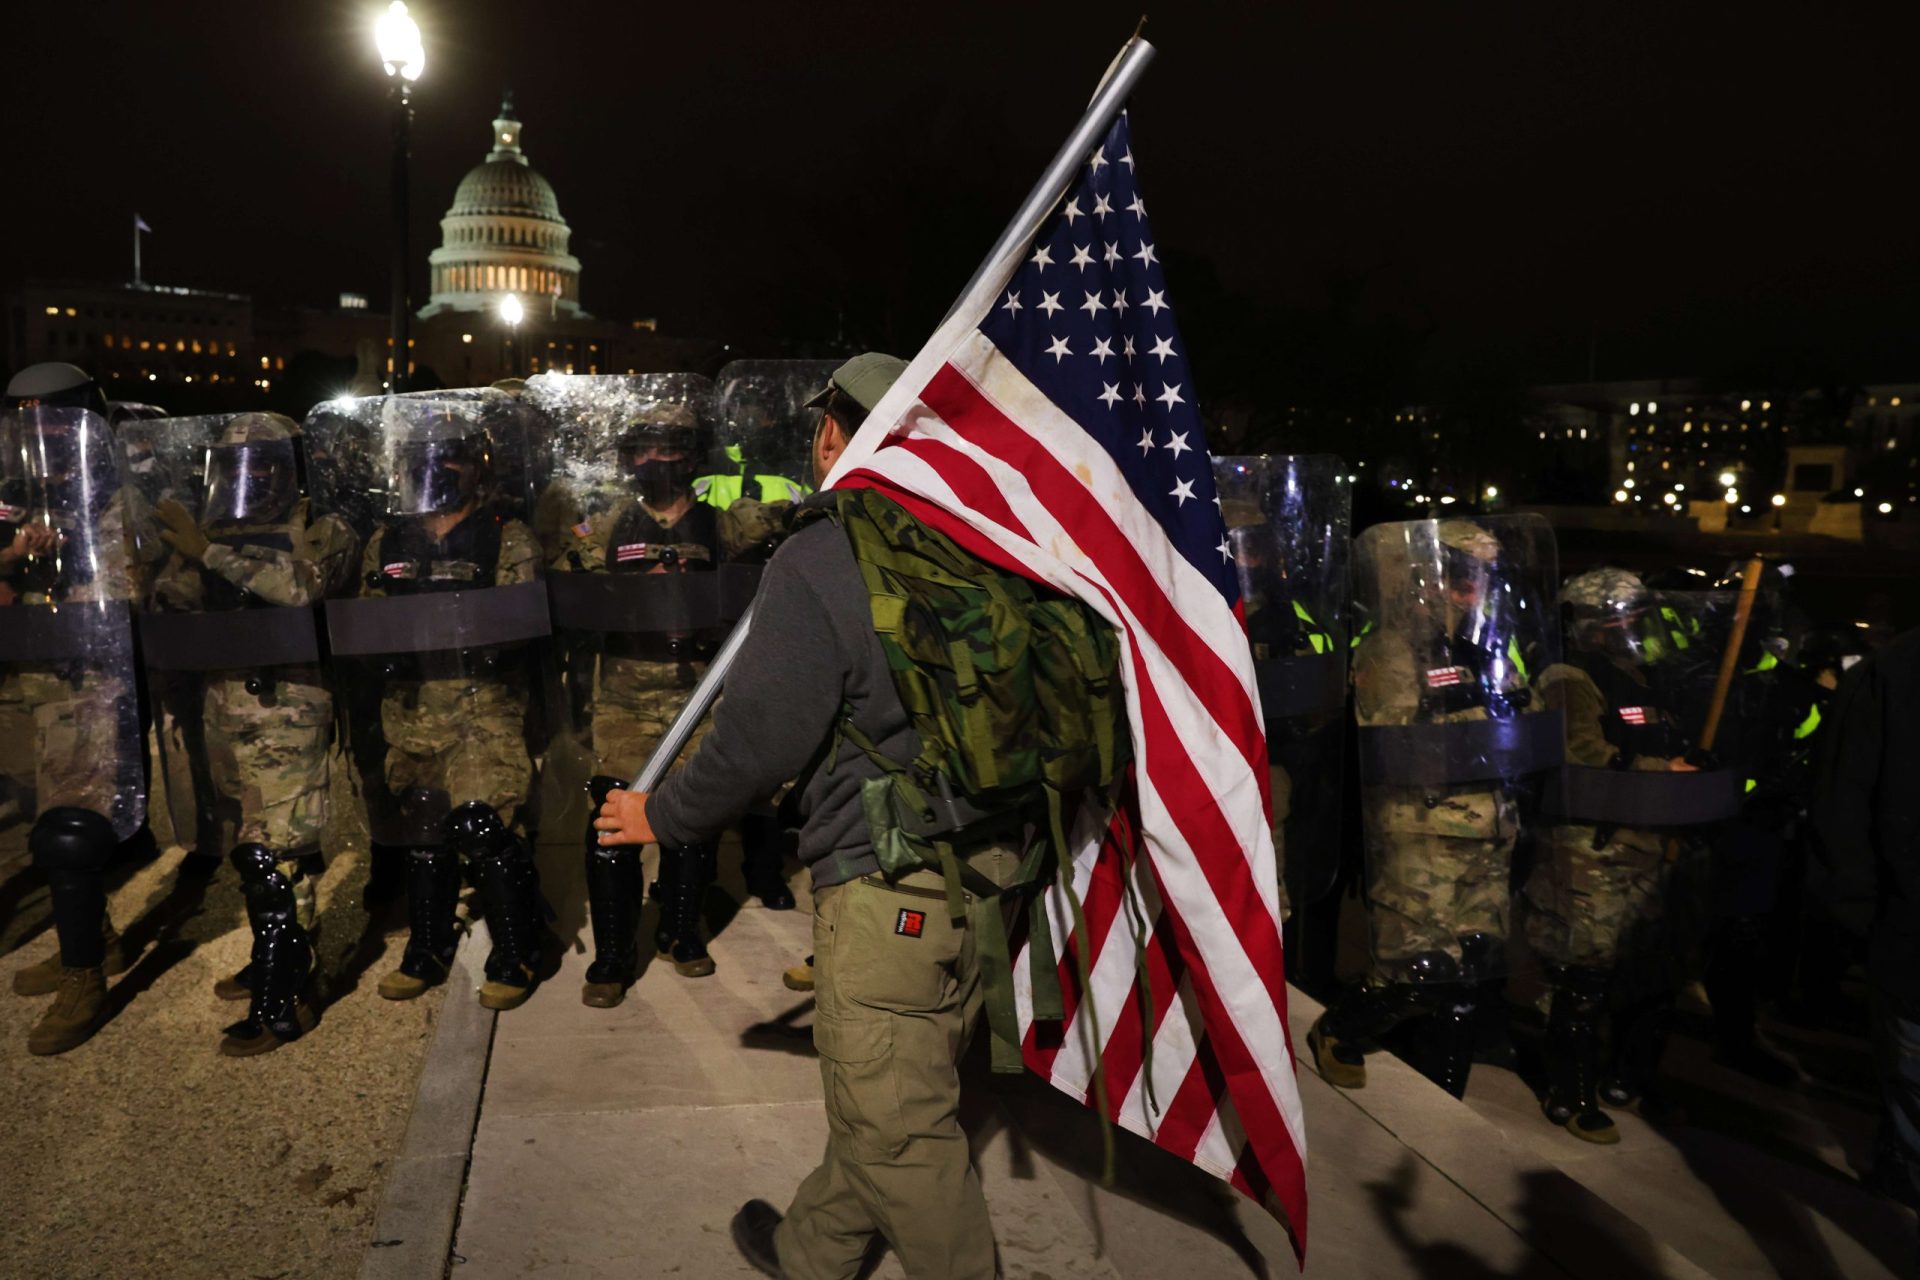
<point x="619" y="1143"/>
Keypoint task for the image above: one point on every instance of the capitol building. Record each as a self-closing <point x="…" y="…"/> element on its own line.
<point x="504" y="235"/>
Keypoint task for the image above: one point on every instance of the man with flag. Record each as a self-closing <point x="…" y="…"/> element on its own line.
<point x="1049" y="431"/>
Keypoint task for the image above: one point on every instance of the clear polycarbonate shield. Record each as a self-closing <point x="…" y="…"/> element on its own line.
<point x="1288" y="521"/>
<point x="1454" y="621"/>
<point x="766" y="429"/>
<point x="230" y="638"/>
<point x="505" y="415"/>
<point x="69" y="715"/>
<point x="439" y="657"/>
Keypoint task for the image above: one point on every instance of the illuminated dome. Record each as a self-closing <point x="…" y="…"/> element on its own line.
<point x="504" y="235"/>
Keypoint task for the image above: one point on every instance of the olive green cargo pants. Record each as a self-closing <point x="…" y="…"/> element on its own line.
<point x="897" y="991"/>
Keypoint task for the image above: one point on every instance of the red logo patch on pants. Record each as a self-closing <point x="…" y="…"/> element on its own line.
<point x="910" y="924"/>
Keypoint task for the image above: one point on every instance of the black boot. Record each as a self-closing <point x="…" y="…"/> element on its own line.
<point x="1573" y="1055"/>
<point x="282" y="960"/>
<point x="1443" y="1040"/>
<point x="433" y="894"/>
<point x="763" y="860"/>
<point x="1732" y="980"/>
<point x="685" y="873"/>
<point x="613" y="906"/>
<point x="386" y="875"/>
<point x="509" y="884"/>
<point x="1630" y="1079"/>
<point x="72" y="847"/>
<point x="1351" y="1026"/>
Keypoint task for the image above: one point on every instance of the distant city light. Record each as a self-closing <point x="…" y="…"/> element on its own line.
<point x="1895" y="402"/>
<point x="1745" y="510"/>
<point x="1652" y="407"/>
<point x="1446" y="499"/>
<point x="1768" y="404"/>
<point x="1627" y="484"/>
<point x="1859" y="493"/>
<point x="1619" y="495"/>
<point x="466" y="337"/>
<point x="1733" y="495"/>
<point x="1886" y="508"/>
<point x="1493" y="491"/>
<point x="1669" y="499"/>
<point x="511" y="311"/>
<point x="1779" y="499"/>
<point x="1633" y="410"/>
<point x="1745" y="405"/>
<point x="1679" y="488"/>
<point x="1727" y="479"/>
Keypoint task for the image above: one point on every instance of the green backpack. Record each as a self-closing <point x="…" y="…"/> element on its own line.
<point x="1015" y="691"/>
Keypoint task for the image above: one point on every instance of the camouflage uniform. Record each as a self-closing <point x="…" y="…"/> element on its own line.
<point x="1448" y="848"/>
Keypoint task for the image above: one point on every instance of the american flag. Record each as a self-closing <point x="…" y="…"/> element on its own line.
<point x="1051" y="426"/>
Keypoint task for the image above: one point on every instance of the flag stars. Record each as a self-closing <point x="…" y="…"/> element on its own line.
<point x="1225" y="550"/>
<point x="1042" y="258"/>
<point x="1177" y="441"/>
<point x="1092" y="304"/>
<point x="1102" y="348"/>
<point x="1145" y="255"/>
<point x="1182" y="489"/>
<point x="1126" y="349"/>
<point x="1138" y="208"/>
<point x="1112" y="255"/>
<point x="1072" y="211"/>
<point x="1169" y="394"/>
<point x="1156" y="301"/>
<point x="1146" y="436"/>
<point x="1012" y="304"/>
<point x="1081" y="258"/>
<point x="1110" y="396"/>
<point x="1059" y="349"/>
<point x="1140" y="395"/>
<point x="1099" y="160"/>
<point x="1162" y="347"/>
<point x="1127" y="159"/>
<point x="1120" y="303"/>
<point x="1101" y="207"/>
<point x="1050" y="303"/>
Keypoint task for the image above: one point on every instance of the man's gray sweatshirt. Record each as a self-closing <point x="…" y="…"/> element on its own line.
<point x="811" y="649"/>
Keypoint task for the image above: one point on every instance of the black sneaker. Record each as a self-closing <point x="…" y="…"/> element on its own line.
<point x="753" y="1229"/>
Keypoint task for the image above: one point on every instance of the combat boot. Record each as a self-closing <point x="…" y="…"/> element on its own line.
<point x="78" y="1009"/>
<point x="799" y="977"/>
<point x="433" y="894"/>
<point x="43" y="979"/>
<point x="685" y="873"/>
<point x="278" y="1012"/>
<point x="509" y="884"/>
<point x="1573" y="1057"/>
<point x="613" y="907"/>
<point x="1353" y="1023"/>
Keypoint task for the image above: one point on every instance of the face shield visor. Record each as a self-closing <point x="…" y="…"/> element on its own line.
<point x="255" y="481"/>
<point x="660" y="464"/>
<point x="54" y="449"/>
<point x="434" y="477"/>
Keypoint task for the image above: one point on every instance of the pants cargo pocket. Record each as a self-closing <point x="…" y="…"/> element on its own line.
<point x="862" y="1094"/>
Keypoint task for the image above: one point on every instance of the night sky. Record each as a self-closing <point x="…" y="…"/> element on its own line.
<point x="1692" y="191"/>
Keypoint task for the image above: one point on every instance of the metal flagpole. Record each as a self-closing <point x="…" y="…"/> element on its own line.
<point x="136" y="251"/>
<point x="1122" y="75"/>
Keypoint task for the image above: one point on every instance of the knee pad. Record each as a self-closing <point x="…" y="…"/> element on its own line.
<point x="475" y="829"/>
<point x="600" y="786"/>
<point x="1433" y="968"/>
<point x="254" y="862"/>
<point x="1584" y="986"/>
<point x="1479" y="955"/>
<point x="67" y="840"/>
<point x="423" y="814"/>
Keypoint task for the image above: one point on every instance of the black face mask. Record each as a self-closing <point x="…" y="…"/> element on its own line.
<point x="660" y="480"/>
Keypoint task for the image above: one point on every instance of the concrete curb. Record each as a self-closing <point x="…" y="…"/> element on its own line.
<point x="413" y="1233"/>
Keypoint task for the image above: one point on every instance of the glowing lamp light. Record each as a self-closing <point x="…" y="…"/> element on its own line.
<point x="1493" y="491"/>
<point x="398" y="37"/>
<point x="1626" y="484"/>
<point x="1745" y="510"/>
<point x="1619" y="495"/>
<point x="1669" y="499"/>
<point x="1733" y="495"/>
<point x="1652" y="407"/>
<point x="1779" y="499"/>
<point x="511" y="311"/>
<point x="1446" y="499"/>
<point x="1745" y="405"/>
<point x="1886" y="508"/>
<point x="1859" y="493"/>
<point x="1633" y="410"/>
<point x="1727" y="479"/>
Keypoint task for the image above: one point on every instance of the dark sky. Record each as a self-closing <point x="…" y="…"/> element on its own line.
<point x="1693" y="186"/>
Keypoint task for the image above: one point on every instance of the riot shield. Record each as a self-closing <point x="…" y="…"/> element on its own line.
<point x="505" y="415"/>
<point x="1287" y="527"/>
<point x="438" y="650"/>
<point x="1456" y="618"/>
<point x="229" y="629"/>
<point x="1631" y="783"/>
<point x="69" y="714"/>
<point x="765" y="430"/>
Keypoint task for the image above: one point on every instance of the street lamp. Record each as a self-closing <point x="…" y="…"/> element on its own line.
<point x="404" y="58"/>
<point x="513" y="313"/>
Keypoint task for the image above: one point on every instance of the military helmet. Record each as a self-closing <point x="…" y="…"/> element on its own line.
<point x="55" y="384"/>
<point x="668" y="424"/>
<point x="442" y="459"/>
<point x="259" y="428"/>
<point x="1605" y="590"/>
<point x="1468" y="539"/>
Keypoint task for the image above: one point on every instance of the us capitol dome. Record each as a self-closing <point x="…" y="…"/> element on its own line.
<point x="504" y="235"/>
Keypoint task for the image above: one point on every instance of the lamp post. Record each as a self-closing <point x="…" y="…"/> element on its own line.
<point x="513" y="313"/>
<point x="404" y="58"/>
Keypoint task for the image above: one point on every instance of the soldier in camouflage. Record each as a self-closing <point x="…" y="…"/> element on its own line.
<point x="457" y="767"/>
<point x="266" y="729"/>
<point x="638" y="680"/>
<point x="1439" y="852"/>
<point x="71" y="727"/>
